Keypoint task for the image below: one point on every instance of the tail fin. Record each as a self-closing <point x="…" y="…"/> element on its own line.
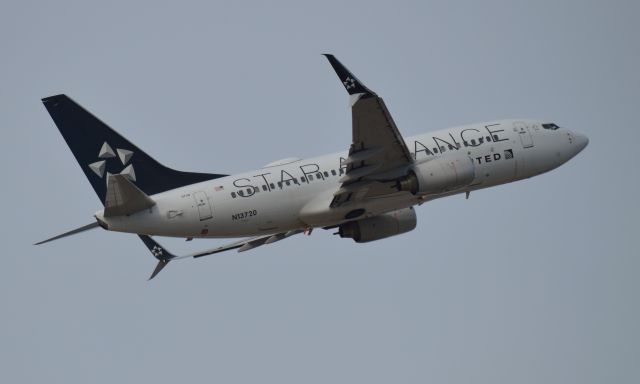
<point x="101" y="151"/>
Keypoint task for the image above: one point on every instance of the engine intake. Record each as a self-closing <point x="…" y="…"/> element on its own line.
<point x="438" y="175"/>
<point x="379" y="227"/>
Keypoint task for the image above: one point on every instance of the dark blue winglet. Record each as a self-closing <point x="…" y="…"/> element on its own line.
<point x="159" y="252"/>
<point x="348" y="79"/>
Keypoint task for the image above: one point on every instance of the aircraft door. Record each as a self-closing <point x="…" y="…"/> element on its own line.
<point x="525" y="134"/>
<point x="204" y="208"/>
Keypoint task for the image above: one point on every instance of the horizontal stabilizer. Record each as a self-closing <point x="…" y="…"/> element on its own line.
<point x="72" y="232"/>
<point x="124" y="198"/>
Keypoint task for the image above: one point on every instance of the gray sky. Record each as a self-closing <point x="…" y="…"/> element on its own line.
<point x="530" y="282"/>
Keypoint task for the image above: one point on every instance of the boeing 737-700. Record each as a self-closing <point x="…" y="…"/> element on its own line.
<point x="366" y="193"/>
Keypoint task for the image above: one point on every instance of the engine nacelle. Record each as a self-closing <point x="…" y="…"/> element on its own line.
<point x="438" y="175"/>
<point x="380" y="227"/>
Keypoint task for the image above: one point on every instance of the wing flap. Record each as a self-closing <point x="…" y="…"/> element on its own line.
<point x="354" y="174"/>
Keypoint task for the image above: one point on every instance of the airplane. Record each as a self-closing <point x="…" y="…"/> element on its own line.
<point x="367" y="193"/>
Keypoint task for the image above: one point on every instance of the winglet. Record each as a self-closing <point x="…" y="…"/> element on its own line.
<point x="161" y="264"/>
<point x="350" y="82"/>
<point x="159" y="252"/>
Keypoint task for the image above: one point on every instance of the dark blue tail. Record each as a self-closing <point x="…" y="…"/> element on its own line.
<point x="102" y="151"/>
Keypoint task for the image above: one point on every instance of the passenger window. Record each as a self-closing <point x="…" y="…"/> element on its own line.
<point x="450" y="147"/>
<point x="319" y="175"/>
<point x="233" y="195"/>
<point x="326" y="174"/>
<point x="481" y="140"/>
<point x="288" y="183"/>
<point x="341" y="171"/>
<point x="333" y="172"/>
<point x="241" y="192"/>
<point x="442" y="149"/>
<point x="488" y="138"/>
<point x="280" y="184"/>
<point x="264" y="188"/>
<point x="256" y="189"/>
<point x="435" y="150"/>
<point x="310" y="177"/>
<point x="465" y="144"/>
<point x="249" y="191"/>
<point x="473" y="141"/>
<point x="302" y="179"/>
<point x="495" y="137"/>
<point x="272" y="186"/>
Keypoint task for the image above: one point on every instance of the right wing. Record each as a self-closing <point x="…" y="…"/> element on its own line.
<point x="377" y="150"/>
<point x="164" y="256"/>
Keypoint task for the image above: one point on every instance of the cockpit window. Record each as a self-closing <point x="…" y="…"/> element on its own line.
<point x="550" y="126"/>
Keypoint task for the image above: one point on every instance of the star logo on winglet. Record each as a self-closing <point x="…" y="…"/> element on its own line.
<point x="157" y="251"/>
<point x="349" y="83"/>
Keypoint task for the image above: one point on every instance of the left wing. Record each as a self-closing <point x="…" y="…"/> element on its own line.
<point x="377" y="150"/>
<point x="164" y="256"/>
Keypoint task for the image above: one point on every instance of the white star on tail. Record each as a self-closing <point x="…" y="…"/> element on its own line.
<point x="106" y="152"/>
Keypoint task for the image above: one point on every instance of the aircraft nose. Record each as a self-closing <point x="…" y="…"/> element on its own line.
<point x="581" y="141"/>
<point x="576" y="143"/>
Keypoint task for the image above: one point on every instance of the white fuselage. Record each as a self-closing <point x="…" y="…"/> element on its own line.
<point x="296" y="193"/>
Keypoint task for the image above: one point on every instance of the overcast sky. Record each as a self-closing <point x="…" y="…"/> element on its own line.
<point x="530" y="282"/>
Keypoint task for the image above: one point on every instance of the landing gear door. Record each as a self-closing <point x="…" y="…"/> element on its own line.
<point x="204" y="208"/>
<point x="525" y="134"/>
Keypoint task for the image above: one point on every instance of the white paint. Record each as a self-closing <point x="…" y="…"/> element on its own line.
<point x="306" y="204"/>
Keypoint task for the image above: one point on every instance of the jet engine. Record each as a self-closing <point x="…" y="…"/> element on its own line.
<point x="438" y="175"/>
<point x="379" y="227"/>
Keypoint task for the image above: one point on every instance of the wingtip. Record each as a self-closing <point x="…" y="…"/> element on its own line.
<point x="161" y="264"/>
<point x="348" y="79"/>
<point x="53" y="98"/>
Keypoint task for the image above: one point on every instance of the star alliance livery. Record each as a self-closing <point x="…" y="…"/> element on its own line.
<point x="367" y="193"/>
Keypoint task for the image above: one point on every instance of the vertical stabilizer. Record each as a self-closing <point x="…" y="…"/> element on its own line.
<point x="101" y="152"/>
